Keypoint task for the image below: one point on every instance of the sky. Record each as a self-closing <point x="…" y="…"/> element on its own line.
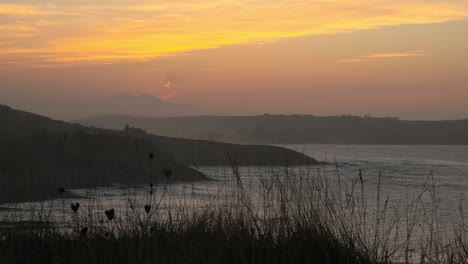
<point x="405" y="58"/>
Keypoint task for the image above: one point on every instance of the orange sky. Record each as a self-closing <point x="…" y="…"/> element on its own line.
<point x="402" y="58"/>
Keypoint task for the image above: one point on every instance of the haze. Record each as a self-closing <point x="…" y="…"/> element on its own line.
<point x="400" y="58"/>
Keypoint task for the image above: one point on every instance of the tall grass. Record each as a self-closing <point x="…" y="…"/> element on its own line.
<point x="283" y="215"/>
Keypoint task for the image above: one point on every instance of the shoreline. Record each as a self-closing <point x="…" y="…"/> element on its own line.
<point x="67" y="195"/>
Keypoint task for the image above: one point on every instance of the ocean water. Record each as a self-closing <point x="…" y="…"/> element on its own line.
<point x="404" y="169"/>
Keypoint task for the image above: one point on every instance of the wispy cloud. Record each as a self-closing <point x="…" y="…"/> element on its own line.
<point x="77" y="31"/>
<point x="18" y="10"/>
<point x="396" y="55"/>
<point x="386" y="56"/>
<point x="350" y="60"/>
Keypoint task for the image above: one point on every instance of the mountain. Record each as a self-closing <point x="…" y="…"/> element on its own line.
<point x="123" y="103"/>
<point x="292" y="129"/>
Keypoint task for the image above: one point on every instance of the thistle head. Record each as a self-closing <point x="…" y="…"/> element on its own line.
<point x="75" y="207"/>
<point x="147" y="208"/>
<point x="110" y="214"/>
<point x="167" y="172"/>
<point x="84" y="231"/>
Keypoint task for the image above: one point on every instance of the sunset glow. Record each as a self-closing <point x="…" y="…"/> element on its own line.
<point x="398" y="58"/>
<point x="89" y="31"/>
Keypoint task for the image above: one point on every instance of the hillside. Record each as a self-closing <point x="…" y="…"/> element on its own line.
<point x="17" y="123"/>
<point x="21" y="124"/>
<point x="39" y="155"/>
<point x="286" y="129"/>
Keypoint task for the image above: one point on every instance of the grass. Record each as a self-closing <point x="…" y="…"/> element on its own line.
<point x="203" y="239"/>
<point x="285" y="215"/>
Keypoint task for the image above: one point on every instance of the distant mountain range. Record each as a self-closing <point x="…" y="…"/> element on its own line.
<point x="123" y="103"/>
<point x="286" y="129"/>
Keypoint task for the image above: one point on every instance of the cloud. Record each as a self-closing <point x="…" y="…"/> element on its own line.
<point x="82" y="31"/>
<point x="396" y="55"/>
<point x="386" y="56"/>
<point x="351" y="60"/>
<point x="18" y="10"/>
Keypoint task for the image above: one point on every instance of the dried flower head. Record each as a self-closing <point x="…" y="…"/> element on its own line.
<point x="110" y="214"/>
<point x="75" y="207"/>
<point x="167" y="172"/>
<point x="84" y="231"/>
<point x="147" y="208"/>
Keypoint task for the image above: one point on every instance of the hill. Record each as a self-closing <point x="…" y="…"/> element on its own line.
<point x="290" y="129"/>
<point x="186" y="151"/>
<point x="39" y="155"/>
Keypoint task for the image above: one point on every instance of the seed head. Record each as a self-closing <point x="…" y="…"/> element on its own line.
<point x="75" y="207"/>
<point x="147" y="208"/>
<point x="110" y="214"/>
<point x="84" y="231"/>
<point x="167" y="172"/>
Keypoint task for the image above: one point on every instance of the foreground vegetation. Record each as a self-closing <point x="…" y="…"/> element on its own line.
<point x="285" y="215"/>
<point x="204" y="239"/>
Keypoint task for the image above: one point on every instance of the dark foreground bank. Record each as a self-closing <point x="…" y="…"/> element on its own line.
<point x="206" y="239"/>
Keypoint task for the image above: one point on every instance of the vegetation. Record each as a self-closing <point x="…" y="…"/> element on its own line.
<point x="204" y="239"/>
<point x="286" y="215"/>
